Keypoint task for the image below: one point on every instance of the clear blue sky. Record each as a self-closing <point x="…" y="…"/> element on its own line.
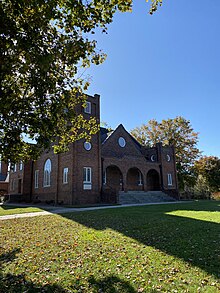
<point x="163" y="66"/>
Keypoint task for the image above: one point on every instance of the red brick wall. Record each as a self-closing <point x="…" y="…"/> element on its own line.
<point x="4" y="187"/>
<point x="126" y="158"/>
<point x="168" y="167"/>
<point x="98" y="158"/>
<point x="16" y="177"/>
<point x="75" y="159"/>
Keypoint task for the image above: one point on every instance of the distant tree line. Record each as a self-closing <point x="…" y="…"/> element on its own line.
<point x="198" y="176"/>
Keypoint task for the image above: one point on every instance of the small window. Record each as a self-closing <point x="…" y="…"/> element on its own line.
<point x="87" y="145"/>
<point x="21" y="166"/>
<point x="87" y="178"/>
<point x="153" y="158"/>
<point x="87" y="175"/>
<point x="168" y="158"/>
<point x="15" y="167"/>
<point x="122" y="142"/>
<point x="12" y="167"/>
<point x="36" y="179"/>
<point x="47" y="172"/>
<point x="87" y="109"/>
<point x="65" y="175"/>
<point x="169" y="179"/>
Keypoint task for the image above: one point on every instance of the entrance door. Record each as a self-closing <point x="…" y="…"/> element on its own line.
<point x="153" y="180"/>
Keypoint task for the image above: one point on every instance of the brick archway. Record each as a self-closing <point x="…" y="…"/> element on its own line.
<point x="113" y="178"/>
<point x="134" y="179"/>
<point x="153" y="180"/>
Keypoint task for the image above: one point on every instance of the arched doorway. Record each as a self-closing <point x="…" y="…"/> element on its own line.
<point x="153" y="180"/>
<point x="113" y="178"/>
<point x="134" y="179"/>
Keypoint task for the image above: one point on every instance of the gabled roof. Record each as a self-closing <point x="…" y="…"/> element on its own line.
<point x="104" y="133"/>
<point x="109" y="133"/>
<point x="110" y="145"/>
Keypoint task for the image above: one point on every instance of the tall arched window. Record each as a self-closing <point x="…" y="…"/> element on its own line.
<point x="47" y="172"/>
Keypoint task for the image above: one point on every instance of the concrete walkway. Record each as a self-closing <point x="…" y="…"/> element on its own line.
<point x="55" y="210"/>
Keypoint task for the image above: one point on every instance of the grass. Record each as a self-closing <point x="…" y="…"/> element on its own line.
<point x="12" y="210"/>
<point x="163" y="248"/>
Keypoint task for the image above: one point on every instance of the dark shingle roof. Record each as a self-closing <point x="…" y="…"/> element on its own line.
<point x="104" y="133"/>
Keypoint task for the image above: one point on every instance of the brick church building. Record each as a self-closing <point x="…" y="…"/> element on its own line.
<point x="95" y="171"/>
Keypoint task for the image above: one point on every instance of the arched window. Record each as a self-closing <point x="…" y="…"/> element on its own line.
<point x="47" y="172"/>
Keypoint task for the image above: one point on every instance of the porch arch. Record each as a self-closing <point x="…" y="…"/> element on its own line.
<point x="113" y="178"/>
<point x="153" y="180"/>
<point x="134" y="179"/>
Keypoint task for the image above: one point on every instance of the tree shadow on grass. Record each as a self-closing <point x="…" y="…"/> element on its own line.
<point x="18" y="283"/>
<point x="193" y="240"/>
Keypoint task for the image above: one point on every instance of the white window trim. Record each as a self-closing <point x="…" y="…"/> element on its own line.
<point x="153" y="158"/>
<point x="15" y="167"/>
<point x="47" y="178"/>
<point x="87" y="178"/>
<point x="88" y="107"/>
<point x="87" y="171"/>
<point x="169" y="179"/>
<point x="20" y="166"/>
<point x="47" y="175"/>
<point x="65" y="175"/>
<point x="87" y="145"/>
<point x="36" y="179"/>
<point x="122" y="142"/>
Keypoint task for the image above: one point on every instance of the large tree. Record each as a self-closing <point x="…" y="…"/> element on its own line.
<point x="208" y="168"/>
<point x="177" y="132"/>
<point x="43" y="44"/>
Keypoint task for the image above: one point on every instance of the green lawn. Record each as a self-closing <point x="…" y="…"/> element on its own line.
<point x="12" y="210"/>
<point x="161" y="248"/>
